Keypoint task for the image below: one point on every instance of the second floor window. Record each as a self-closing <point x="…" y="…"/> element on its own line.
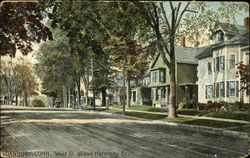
<point x="162" y="75"/>
<point x="232" y="61"/>
<point x="155" y="76"/>
<point x="219" y="63"/>
<point x="209" y="68"/>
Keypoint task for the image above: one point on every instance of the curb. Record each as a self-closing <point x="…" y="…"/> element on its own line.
<point x="192" y="127"/>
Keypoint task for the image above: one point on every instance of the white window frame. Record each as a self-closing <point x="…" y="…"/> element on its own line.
<point x="235" y="90"/>
<point x="231" y="60"/>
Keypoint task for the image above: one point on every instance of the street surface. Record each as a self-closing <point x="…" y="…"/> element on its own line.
<point x="66" y="133"/>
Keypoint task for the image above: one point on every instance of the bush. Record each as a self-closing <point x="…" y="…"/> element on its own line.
<point x="37" y="103"/>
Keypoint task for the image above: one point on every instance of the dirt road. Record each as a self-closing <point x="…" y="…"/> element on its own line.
<point x="34" y="132"/>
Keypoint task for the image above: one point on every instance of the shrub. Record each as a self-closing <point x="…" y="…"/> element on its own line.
<point x="37" y="103"/>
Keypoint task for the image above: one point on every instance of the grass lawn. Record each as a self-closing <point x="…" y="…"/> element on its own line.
<point x="238" y="115"/>
<point x="240" y="127"/>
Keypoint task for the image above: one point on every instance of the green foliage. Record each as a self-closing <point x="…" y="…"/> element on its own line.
<point x="55" y="67"/>
<point x="27" y="81"/>
<point x="21" y="24"/>
<point x="37" y="103"/>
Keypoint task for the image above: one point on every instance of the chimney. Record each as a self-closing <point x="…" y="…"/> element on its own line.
<point x="183" y="41"/>
<point x="246" y="22"/>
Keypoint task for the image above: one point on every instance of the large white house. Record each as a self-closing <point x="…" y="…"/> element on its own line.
<point x="217" y="70"/>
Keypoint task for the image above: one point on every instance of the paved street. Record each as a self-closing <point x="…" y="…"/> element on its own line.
<point x="67" y="133"/>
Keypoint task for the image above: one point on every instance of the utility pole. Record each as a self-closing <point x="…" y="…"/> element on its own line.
<point x="93" y="89"/>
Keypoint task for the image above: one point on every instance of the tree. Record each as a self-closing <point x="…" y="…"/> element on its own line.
<point x="55" y="67"/>
<point x="243" y="71"/>
<point x="87" y="39"/>
<point x="28" y="84"/>
<point x="20" y="25"/>
<point x="168" y="23"/>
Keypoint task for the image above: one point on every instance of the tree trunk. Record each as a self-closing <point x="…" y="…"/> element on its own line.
<point x="69" y="100"/>
<point x="9" y="95"/>
<point x="86" y="85"/>
<point x="25" y="99"/>
<point x="172" y="107"/>
<point x="64" y="97"/>
<point x="74" y="98"/>
<point x="104" y="94"/>
<point x="16" y="99"/>
<point x="78" y="92"/>
<point x="123" y="90"/>
<point x="128" y="91"/>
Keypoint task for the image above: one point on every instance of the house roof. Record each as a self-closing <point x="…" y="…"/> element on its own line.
<point x="183" y="55"/>
<point x="231" y="29"/>
<point x="236" y="40"/>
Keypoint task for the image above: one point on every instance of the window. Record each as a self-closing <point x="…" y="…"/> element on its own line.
<point x="163" y="92"/>
<point x="209" y="67"/>
<point x="222" y="89"/>
<point x="222" y="63"/>
<point x="232" y="88"/>
<point x="155" y="76"/>
<point x="219" y="63"/>
<point x="232" y="61"/>
<point x="134" y="96"/>
<point x="162" y="75"/>
<point x="219" y="36"/>
<point x="209" y="91"/>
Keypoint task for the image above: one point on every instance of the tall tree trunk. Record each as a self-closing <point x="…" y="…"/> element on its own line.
<point x="123" y="90"/>
<point x="104" y="94"/>
<point x="86" y="85"/>
<point x="74" y="99"/>
<point x="9" y="95"/>
<point x="172" y="107"/>
<point x="25" y="99"/>
<point x="128" y="91"/>
<point x="69" y="99"/>
<point x="64" y="96"/>
<point x="16" y="99"/>
<point x="78" y="92"/>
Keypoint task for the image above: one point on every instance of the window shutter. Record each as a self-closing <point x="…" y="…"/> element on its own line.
<point x="214" y="90"/>
<point x="227" y="88"/>
<point x="237" y="89"/>
<point x="214" y="65"/>
<point x="223" y="62"/>
<point x="206" y="92"/>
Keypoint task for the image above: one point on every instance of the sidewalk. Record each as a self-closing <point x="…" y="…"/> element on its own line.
<point x="188" y="116"/>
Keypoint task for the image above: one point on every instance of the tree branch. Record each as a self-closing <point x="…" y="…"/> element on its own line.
<point x="164" y="15"/>
<point x="180" y="17"/>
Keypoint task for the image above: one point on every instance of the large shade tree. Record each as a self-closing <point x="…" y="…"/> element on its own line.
<point x="21" y="25"/>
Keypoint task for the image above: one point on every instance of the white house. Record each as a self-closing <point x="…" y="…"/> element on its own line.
<point x="217" y="70"/>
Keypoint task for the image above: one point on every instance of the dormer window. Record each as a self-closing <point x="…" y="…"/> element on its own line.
<point x="219" y="36"/>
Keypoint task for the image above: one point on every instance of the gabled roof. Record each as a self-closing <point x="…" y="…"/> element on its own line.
<point x="184" y="55"/>
<point x="236" y="40"/>
<point x="231" y="29"/>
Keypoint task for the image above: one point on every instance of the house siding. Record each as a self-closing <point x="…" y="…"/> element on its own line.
<point x="225" y="75"/>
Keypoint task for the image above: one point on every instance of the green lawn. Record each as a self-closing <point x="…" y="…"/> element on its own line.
<point x="238" y="115"/>
<point x="191" y="121"/>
